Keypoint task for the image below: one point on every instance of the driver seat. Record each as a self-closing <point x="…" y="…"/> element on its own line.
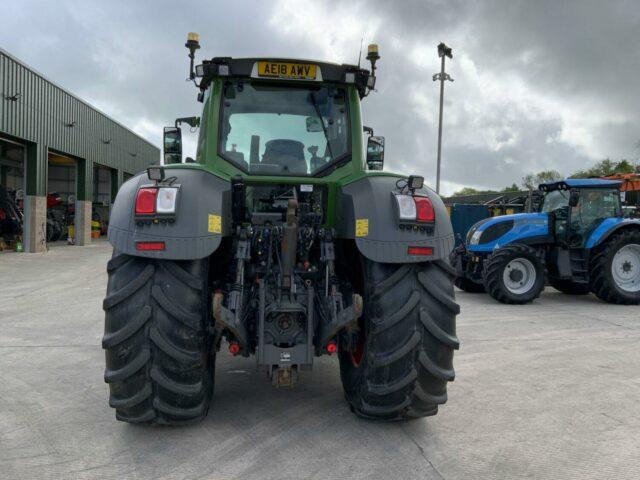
<point x="287" y="154"/>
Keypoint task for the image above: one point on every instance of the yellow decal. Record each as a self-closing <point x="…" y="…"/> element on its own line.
<point x="362" y="227"/>
<point x="215" y="223"/>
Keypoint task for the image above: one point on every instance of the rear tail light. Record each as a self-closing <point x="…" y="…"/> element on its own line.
<point x="414" y="209"/>
<point x="161" y="200"/>
<point x="149" y="246"/>
<point x="146" y="201"/>
<point x="166" y="202"/>
<point x="234" y="348"/>
<point x="424" y="209"/>
<point x="419" y="251"/>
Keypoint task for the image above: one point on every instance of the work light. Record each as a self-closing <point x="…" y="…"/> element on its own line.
<point x="155" y="173"/>
<point x="415" y="182"/>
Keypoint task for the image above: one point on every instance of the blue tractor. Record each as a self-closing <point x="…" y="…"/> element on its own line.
<point x="579" y="241"/>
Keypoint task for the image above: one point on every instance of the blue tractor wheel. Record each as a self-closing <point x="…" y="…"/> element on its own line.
<point x="514" y="274"/>
<point x="615" y="269"/>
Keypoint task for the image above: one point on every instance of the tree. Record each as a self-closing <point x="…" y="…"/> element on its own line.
<point x="473" y="191"/>
<point x="512" y="188"/>
<point x="466" y="191"/>
<point x="532" y="180"/>
<point x="604" y="168"/>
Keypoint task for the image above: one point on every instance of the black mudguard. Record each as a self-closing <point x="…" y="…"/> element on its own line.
<point x="202" y="217"/>
<point x="367" y="213"/>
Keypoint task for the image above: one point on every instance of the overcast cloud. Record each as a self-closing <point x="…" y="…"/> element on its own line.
<point x="538" y="84"/>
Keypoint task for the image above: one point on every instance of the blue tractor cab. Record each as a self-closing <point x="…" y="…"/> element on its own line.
<point x="579" y="241"/>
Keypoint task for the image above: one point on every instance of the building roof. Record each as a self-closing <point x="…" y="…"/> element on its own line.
<point x="46" y="79"/>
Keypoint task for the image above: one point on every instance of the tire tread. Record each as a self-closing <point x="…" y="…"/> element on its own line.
<point x="157" y="342"/>
<point x="408" y="355"/>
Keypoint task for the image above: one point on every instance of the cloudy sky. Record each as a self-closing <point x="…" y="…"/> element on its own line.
<point x="538" y="84"/>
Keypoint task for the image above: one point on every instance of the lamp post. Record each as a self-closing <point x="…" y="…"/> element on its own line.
<point x="443" y="51"/>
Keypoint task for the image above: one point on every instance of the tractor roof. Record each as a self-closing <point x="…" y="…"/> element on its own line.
<point x="570" y="183"/>
<point x="282" y="69"/>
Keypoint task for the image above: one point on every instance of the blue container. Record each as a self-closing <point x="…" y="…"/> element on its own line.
<point x="463" y="217"/>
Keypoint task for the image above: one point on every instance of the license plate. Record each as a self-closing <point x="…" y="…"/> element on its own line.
<point x="298" y="71"/>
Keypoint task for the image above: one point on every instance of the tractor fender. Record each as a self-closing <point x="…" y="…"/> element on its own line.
<point x="608" y="227"/>
<point x="202" y="217"/>
<point x="366" y="212"/>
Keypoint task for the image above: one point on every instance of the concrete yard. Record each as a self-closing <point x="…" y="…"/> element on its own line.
<point x="548" y="390"/>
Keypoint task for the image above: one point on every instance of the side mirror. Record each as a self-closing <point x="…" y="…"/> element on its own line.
<point x="574" y="198"/>
<point x="172" y="145"/>
<point x="375" y="153"/>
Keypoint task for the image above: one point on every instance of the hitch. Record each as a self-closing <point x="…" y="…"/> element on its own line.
<point x="285" y="377"/>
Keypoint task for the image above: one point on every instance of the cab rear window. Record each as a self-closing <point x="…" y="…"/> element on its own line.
<point x="283" y="130"/>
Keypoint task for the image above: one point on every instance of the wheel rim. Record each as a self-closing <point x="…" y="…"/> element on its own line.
<point x="625" y="268"/>
<point x="519" y="276"/>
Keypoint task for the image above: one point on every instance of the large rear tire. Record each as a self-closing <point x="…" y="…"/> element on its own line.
<point x="159" y="365"/>
<point x="514" y="274"/>
<point x="615" y="269"/>
<point x="403" y="359"/>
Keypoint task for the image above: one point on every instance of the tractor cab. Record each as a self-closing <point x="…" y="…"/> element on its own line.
<point x="279" y="117"/>
<point x="577" y="207"/>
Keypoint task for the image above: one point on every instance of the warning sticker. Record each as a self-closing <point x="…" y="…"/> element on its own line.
<point x="215" y="224"/>
<point x="362" y="227"/>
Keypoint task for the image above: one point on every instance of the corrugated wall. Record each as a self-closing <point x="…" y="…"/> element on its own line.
<point x="41" y="117"/>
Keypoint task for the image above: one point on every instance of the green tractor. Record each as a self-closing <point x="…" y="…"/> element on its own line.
<point x="283" y="240"/>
